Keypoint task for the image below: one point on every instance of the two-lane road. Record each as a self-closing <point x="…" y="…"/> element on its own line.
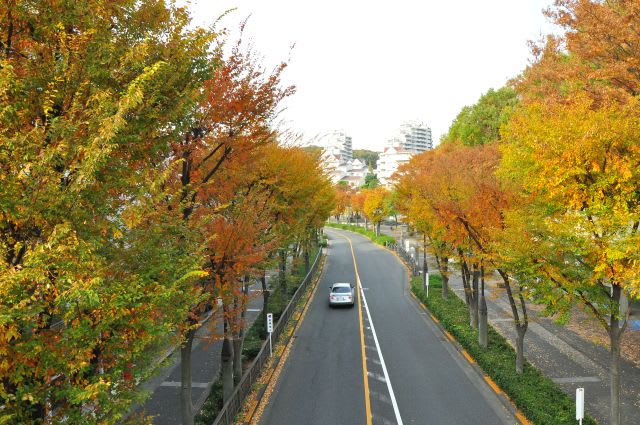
<point x="381" y="362"/>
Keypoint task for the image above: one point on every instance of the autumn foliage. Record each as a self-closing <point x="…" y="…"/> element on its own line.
<point x="141" y="178"/>
<point x="546" y="190"/>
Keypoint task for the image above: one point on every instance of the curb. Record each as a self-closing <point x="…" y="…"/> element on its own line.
<point x="502" y="396"/>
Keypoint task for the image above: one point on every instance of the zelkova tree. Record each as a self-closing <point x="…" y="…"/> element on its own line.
<point x="357" y="205"/>
<point x="376" y="205"/>
<point x="90" y="95"/>
<point x="480" y="209"/>
<point x="577" y="134"/>
<point x="580" y="167"/>
<point x="343" y="201"/>
<point x="480" y="123"/>
<point x="453" y="195"/>
<point x="234" y="117"/>
<point x="414" y="183"/>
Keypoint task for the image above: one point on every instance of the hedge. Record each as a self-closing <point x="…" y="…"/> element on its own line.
<point x="535" y="395"/>
<point x="380" y="240"/>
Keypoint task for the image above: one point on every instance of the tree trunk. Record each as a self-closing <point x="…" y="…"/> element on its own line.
<point x="520" y="331"/>
<point x="521" y="325"/>
<point x="265" y="298"/>
<point x="425" y="266"/>
<point x="615" y="334"/>
<point x="186" y="405"/>
<point x="482" y="322"/>
<point x="444" y="272"/>
<point x="466" y="279"/>
<point x="307" y="265"/>
<point x="226" y="357"/>
<point x="237" y="358"/>
<point x="474" y="297"/>
<point x="378" y="229"/>
<point x="482" y="314"/>
<point x="283" y="270"/>
<point x="238" y="341"/>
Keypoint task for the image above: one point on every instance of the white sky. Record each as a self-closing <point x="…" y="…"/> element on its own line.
<point x="367" y="66"/>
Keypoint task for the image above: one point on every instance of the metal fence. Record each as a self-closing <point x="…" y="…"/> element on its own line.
<point x="406" y="257"/>
<point x="234" y="404"/>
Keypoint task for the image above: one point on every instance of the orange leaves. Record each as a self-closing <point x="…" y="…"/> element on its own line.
<point x="599" y="53"/>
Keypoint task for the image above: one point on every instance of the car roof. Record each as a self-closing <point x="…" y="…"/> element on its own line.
<point x="341" y="284"/>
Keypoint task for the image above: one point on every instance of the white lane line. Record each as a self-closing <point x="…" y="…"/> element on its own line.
<point x="384" y="366"/>
<point x="254" y="309"/>
<point x="576" y="379"/>
<point x="179" y="384"/>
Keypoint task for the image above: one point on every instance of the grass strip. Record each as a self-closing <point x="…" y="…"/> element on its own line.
<point x="535" y="395"/>
<point x="380" y="240"/>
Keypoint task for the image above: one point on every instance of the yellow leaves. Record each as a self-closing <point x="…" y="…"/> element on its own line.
<point x="91" y="391"/>
<point x="28" y="397"/>
<point x="374" y="203"/>
<point x="10" y="333"/>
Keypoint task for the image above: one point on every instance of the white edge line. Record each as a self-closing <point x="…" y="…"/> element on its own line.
<point x="384" y="366"/>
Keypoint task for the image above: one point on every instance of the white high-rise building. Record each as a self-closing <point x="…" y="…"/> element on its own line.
<point x="411" y="138"/>
<point x="337" y="159"/>
<point x="339" y="141"/>
<point x="414" y="137"/>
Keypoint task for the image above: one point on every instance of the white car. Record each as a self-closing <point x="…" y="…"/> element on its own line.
<point x="341" y="294"/>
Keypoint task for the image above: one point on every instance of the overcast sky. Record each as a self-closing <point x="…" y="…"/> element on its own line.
<point x="367" y="66"/>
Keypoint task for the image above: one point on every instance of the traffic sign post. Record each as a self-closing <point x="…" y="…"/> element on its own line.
<point x="427" y="282"/>
<point x="579" y="405"/>
<point x="269" y="330"/>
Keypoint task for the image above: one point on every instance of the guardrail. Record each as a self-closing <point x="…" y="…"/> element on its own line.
<point x="250" y="376"/>
<point x="408" y="259"/>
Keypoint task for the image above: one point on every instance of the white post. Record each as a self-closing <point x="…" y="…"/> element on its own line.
<point x="270" y="329"/>
<point x="579" y="405"/>
<point x="427" y="280"/>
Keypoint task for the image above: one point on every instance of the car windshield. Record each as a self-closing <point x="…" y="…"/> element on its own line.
<point x="341" y="290"/>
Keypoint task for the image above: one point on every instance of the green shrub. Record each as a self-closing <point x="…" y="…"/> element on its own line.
<point x="380" y="240"/>
<point x="537" y="396"/>
<point x="211" y="406"/>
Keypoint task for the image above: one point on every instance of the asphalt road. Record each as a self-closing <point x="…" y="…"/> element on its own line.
<point x="411" y="374"/>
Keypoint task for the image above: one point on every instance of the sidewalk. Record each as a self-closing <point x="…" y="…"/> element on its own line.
<point x="164" y="403"/>
<point x="568" y="359"/>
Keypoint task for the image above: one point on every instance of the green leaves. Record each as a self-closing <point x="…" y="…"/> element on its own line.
<point x="480" y="123"/>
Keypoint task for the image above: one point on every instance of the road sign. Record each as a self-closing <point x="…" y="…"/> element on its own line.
<point x="269" y="322"/>
<point x="270" y="329"/>
<point x="580" y="404"/>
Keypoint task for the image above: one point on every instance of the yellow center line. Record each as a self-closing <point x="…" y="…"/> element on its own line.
<point x="367" y="403"/>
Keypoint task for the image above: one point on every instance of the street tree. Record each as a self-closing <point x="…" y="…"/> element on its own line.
<point x="480" y="123"/>
<point x="581" y="163"/>
<point x="91" y="94"/>
<point x="235" y="115"/>
<point x="376" y="206"/>
<point x="588" y="79"/>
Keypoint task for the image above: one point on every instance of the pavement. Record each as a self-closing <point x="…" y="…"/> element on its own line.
<point x="561" y="354"/>
<point x="164" y="403"/>
<point x="410" y="373"/>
